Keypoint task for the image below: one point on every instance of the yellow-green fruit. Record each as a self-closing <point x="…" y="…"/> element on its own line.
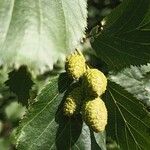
<point x="72" y="103"/>
<point x="94" y="82"/>
<point x="95" y="114"/>
<point x="75" y="65"/>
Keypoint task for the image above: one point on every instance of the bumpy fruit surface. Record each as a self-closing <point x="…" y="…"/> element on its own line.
<point x="95" y="114"/>
<point x="75" y="65"/>
<point x="72" y="103"/>
<point x="94" y="82"/>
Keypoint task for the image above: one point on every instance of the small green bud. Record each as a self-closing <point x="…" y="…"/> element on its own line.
<point x="75" y="65"/>
<point x="72" y="103"/>
<point x="94" y="82"/>
<point x="95" y="114"/>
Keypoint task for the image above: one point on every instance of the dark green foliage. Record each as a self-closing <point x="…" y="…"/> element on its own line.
<point x="129" y="121"/>
<point x="124" y="40"/>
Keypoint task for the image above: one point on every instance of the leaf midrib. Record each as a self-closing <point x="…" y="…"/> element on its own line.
<point x="41" y="110"/>
<point x="126" y="123"/>
<point x="126" y="109"/>
<point x="121" y="52"/>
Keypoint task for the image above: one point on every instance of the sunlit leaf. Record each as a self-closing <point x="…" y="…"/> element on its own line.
<point x="39" y="32"/>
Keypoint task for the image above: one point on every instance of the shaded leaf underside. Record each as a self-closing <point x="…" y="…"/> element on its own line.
<point x="136" y="81"/>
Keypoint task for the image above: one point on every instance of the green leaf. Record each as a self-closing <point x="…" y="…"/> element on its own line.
<point x="101" y="140"/>
<point x="136" y="81"/>
<point x="124" y="41"/>
<point x="20" y="83"/>
<point x="39" y="32"/>
<point x="128" y="121"/>
<point x="45" y="126"/>
<point x="3" y="76"/>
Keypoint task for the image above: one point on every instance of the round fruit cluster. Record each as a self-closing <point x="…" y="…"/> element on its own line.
<point x="86" y="97"/>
